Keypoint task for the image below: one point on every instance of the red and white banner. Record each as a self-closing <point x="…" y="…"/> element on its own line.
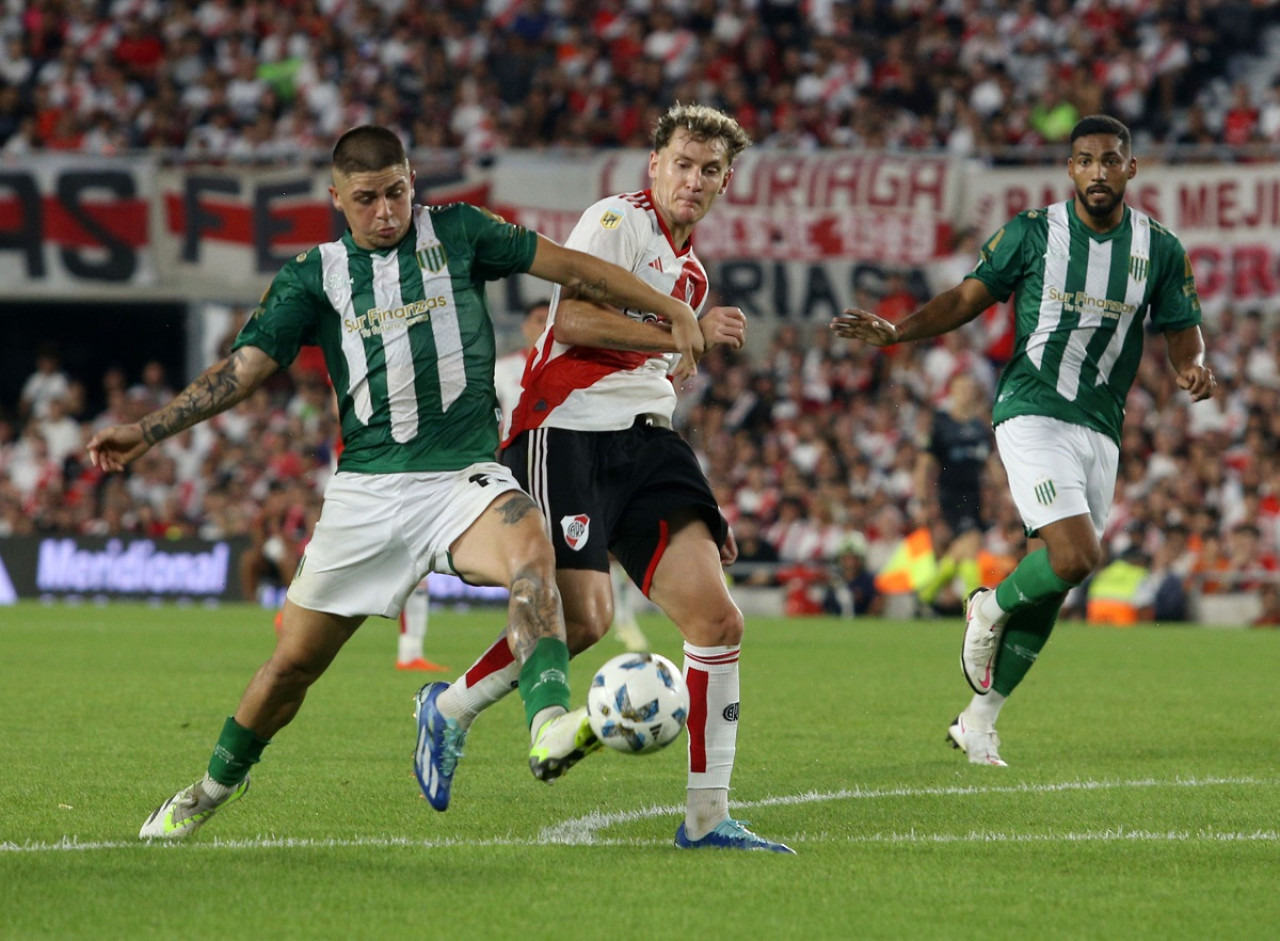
<point x="227" y="231"/>
<point x="796" y="235"/>
<point x="780" y="206"/>
<point x="69" y="223"/>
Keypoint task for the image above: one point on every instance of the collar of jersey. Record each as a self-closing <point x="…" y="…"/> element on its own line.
<point x="1118" y="229"/>
<point x="350" y="242"/>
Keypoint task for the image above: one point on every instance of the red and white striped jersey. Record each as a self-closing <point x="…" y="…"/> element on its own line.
<point x="590" y="389"/>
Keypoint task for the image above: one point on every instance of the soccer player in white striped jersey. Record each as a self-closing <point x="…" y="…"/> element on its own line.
<point x="1086" y="272"/>
<point x="398" y="307"/>
<point x="592" y="440"/>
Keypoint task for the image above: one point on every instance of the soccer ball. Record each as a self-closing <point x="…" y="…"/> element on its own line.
<point x="638" y="703"/>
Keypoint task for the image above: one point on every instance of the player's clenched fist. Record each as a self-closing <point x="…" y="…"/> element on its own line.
<point x="727" y="325"/>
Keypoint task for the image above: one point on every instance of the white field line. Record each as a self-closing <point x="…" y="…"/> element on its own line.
<point x="584" y="831"/>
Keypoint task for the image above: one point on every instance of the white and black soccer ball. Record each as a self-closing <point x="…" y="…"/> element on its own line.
<point x="638" y="703"/>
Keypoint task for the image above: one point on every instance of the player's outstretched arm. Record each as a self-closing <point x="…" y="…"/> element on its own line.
<point x="951" y="309"/>
<point x="1186" y="354"/>
<point x="856" y="324"/>
<point x="585" y="323"/>
<point x="218" y="388"/>
<point x="594" y="279"/>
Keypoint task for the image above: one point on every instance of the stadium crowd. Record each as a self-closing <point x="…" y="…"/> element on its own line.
<point x="812" y="445"/>
<point x="246" y="80"/>
<point x="815" y="446"/>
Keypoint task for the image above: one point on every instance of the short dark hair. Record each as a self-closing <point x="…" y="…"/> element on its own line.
<point x="703" y="123"/>
<point x="367" y="149"/>
<point x="1102" y="124"/>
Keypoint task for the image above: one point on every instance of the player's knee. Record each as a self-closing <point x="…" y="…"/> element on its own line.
<point x="721" y="627"/>
<point x="587" y="617"/>
<point x="584" y="632"/>
<point x="1076" y="564"/>
<point x="289" y="669"/>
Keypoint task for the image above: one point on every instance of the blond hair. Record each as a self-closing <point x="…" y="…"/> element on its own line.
<point x="703" y="123"/>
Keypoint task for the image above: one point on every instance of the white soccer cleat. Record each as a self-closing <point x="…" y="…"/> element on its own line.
<point x="186" y="812"/>
<point x="981" y="747"/>
<point x="981" y="644"/>
<point x="561" y="743"/>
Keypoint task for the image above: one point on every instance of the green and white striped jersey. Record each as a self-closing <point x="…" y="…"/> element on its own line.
<point x="406" y="336"/>
<point x="1081" y="300"/>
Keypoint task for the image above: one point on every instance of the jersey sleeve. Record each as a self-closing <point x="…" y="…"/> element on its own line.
<point x="1175" y="303"/>
<point x="611" y="229"/>
<point x="1000" y="265"/>
<point x="284" y="320"/>
<point x="501" y="248"/>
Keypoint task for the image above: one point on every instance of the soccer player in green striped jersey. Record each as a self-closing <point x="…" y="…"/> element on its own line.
<point x="1086" y="273"/>
<point x="398" y="307"/>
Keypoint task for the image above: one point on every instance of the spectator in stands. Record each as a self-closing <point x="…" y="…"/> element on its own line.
<point x="278" y="534"/>
<point x="1250" y="565"/>
<point x="30" y="468"/>
<point x="1120" y="594"/>
<point x="47" y="383"/>
<point x="60" y="431"/>
<point x="555" y="80"/>
<point x="1269" y="616"/>
<point x="757" y="557"/>
<point x="1167" y="586"/>
<point x="852" y="591"/>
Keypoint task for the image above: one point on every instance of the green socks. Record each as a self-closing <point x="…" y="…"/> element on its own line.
<point x="1025" y="634"/>
<point x="544" y="677"/>
<point x="238" y="750"/>
<point x="1032" y="581"/>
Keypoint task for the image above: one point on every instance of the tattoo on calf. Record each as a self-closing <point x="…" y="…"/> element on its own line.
<point x="534" y="613"/>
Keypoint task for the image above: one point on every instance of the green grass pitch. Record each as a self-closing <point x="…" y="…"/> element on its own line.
<point x="1141" y="801"/>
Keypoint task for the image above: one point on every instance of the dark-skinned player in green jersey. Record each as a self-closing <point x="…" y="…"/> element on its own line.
<point x="398" y="307"/>
<point x="1087" y="272"/>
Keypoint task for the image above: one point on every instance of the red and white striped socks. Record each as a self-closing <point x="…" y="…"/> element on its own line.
<point x="490" y="678"/>
<point x="711" y="673"/>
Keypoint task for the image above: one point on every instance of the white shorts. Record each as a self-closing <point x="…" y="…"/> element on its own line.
<point x="1057" y="469"/>
<point x="380" y="534"/>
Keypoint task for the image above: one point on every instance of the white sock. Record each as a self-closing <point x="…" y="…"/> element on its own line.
<point x="413" y="625"/>
<point x="705" y="807"/>
<point x="989" y="608"/>
<point x="541" y="718"/>
<point x="711" y="673"/>
<point x="489" y="679"/>
<point x="216" y="791"/>
<point x="983" y="711"/>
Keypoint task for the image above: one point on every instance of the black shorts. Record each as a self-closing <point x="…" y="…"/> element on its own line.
<point x="613" y="491"/>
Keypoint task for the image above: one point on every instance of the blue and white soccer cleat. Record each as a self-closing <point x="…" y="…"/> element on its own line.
<point x="440" y="742"/>
<point x="730" y="834"/>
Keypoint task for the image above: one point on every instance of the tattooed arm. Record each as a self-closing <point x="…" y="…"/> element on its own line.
<point x="594" y="279"/>
<point x="218" y="388"/>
